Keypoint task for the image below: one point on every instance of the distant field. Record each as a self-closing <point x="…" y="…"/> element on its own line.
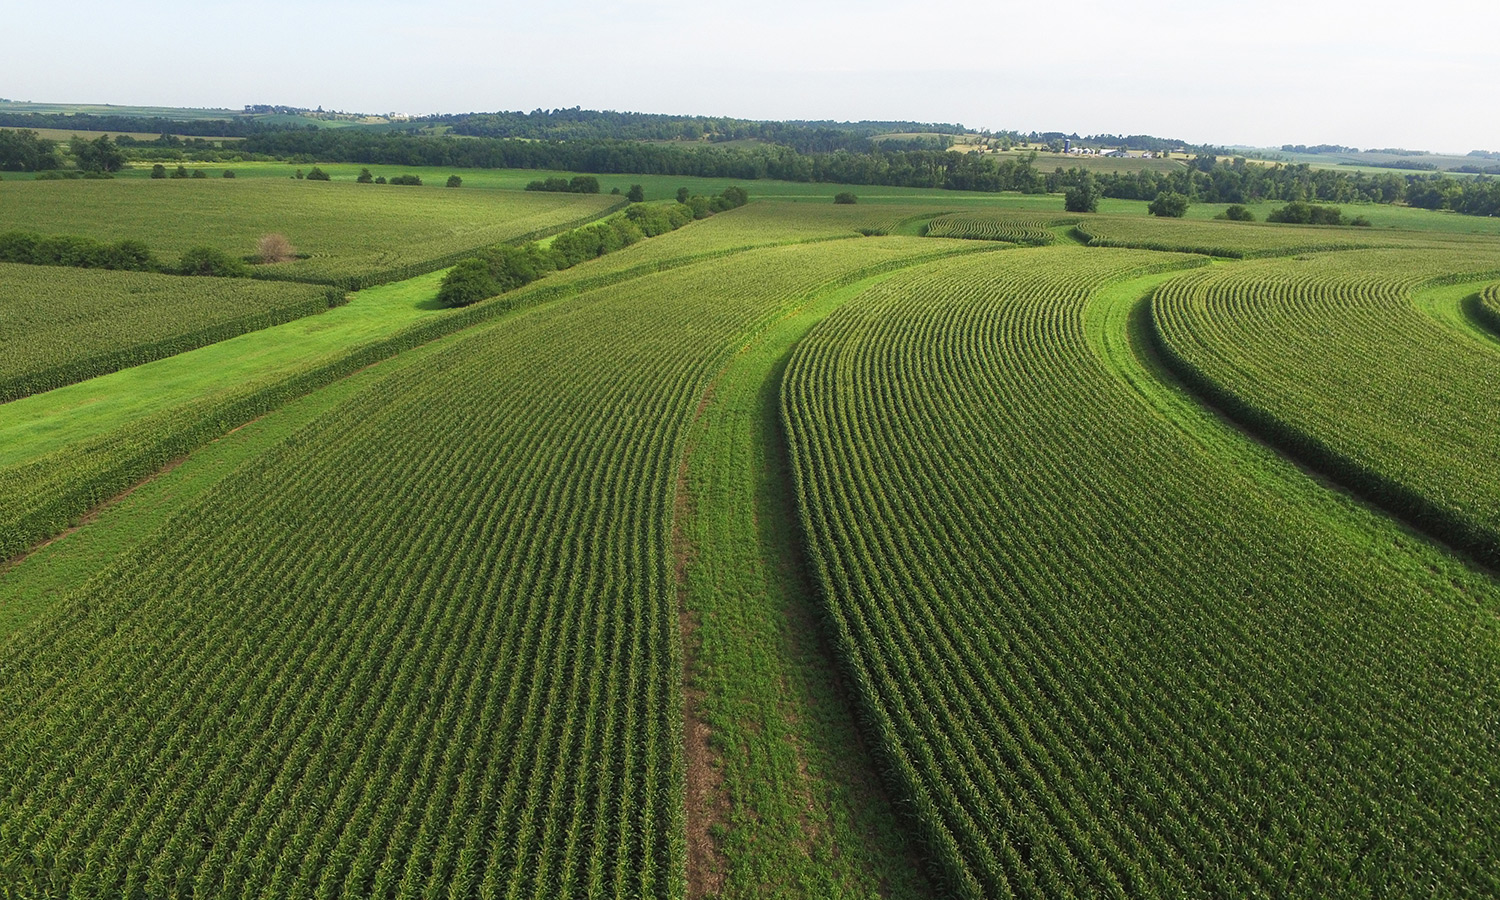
<point x="59" y="134"/>
<point x="105" y="109"/>
<point x="346" y="230"/>
<point x="60" y="325"/>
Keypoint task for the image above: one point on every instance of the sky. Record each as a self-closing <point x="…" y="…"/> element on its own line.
<point x="1420" y="75"/>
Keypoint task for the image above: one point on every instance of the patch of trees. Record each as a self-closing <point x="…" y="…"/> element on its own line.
<point x="1318" y="148"/>
<point x="505" y="268"/>
<point x="1168" y="205"/>
<point x="1299" y="213"/>
<point x="237" y="127"/>
<point x="98" y="155"/>
<point x="26" y="151"/>
<point x="79" y="252"/>
<point x="578" y="184"/>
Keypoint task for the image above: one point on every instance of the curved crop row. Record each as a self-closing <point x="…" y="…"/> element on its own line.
<point x="426" y="648"/>
<point x="1488" y="309"/>
<point x="1331" y="360"/>
<point x="1102" y="658"/>
<point x="60" y="326"/>
<point x="1235" y="240"/>
<point x="1033" y="231"/>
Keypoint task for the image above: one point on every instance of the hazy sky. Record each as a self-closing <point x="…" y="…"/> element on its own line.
<point x="1369" y="74"/>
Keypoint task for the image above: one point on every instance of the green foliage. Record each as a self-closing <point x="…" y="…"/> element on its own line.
<point x="75" y="251"/>
<point x="97" y="155"/>
<point x="211" y="261"/>
<point x="158" y="171"/>
<point x="583" y="184"/>
<point x="1286" y="345"/>
<point x="365" y="177"/>
<point x="845" y="198"/>
<point x="23" y="150"/>
<point x="380" y="179"/>
<point x="199" y="173"/>
<point x="1299" y="213"/>
<point x="317" y="174"/>
<point x="97" y="322"/>
<point x="1236" y="213"/>
<point x="228" y="173"/>
<point x="412" y="180"/>
<point x="467" y="282"/>
<point x="1215" y="238"/>
<point x="636" y="194"/>
<point x="182" y="172"/>
<point x="683" y="194"/>
<point x="1039" y="565"/>
<point x="454" y="181"/>
<point x="1082" y="197"/>
<point x="1168" y="205"/>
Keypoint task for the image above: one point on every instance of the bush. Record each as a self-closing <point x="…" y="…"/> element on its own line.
<point x="583" y="184"/>
<point x="318" y="174"/>
<point x="1360" y="222"/>
<point x="132" y="256"/>
<point x="70" y="250"/>
<point x="199" y="173"/>
<point x="18" y="246"/>
<point x="158" y="171"/>
<point x="415" y="180"/>
<point x="1237" y="213"/>
<point x="1300" y="213"/>
<point x="274" y="248"/>
<point x="735" y="196"/>
<point x="454" y="181"/>
<point x="683" y="194"/>
<point x="1168" y="205"/>
<point x="228" y="173"/>
<point x="636" y="194"/>
<point x="466" y="283"/>
<point x="182" y="172"/>
<point x="845" y="198"/>
<point x="1081" y="199"/>
<point x="209" y="261"/>
<point x="380" y="179"/>
<point x="364" y="177"/>
<point x="700" y="207"/>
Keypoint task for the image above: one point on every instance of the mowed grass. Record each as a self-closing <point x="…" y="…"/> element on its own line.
<point x="344" y="229"/>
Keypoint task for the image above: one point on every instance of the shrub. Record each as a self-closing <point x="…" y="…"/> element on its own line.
<point x="454" y="181"/>
<point x="415" y="180"/>
<point x="583" y="184"/>
<point x="228" y="173"/>
<point x="70" y="250"/>
<point x="364" y="177"/>
<point x="274" y="248"/>
<point x="1300" y="213"/>
<point x="318" y="174"/>
<point x="380" y="179"/>
<point x="466" y="283"/>
<point x="1237" y="213"/>
<point x="209" y="261"/>
<point x="158" y="171"/>
<point x="845" y="197"/>
<point x="1169" y="205"/>
<point x="131" y="255"/>
<point x="700" y="207"/>
<point x="683" y="194"/>
<point x="636" y="194"/>
<point x="199" y="173"/>
<point x="182" y="172"/>
<point x="18" y="246"/>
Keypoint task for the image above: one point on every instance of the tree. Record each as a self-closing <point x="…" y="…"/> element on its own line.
<point x="23" y="150"/>
<point x="158" y="171"/>
<point x="1237" y="213"/>
<point x="466" y="283"/>
<point x="454" y="181"/>
<point x="583" y="184"/>
<point x="364" y="177"/>
<point x="683" y="194"/>
<point x="274" y="248"/>
<point x="199" y="173"/>
<point x="1082" y="197"/>
<point x="98" y="155"/>
<point x="1169" y="205"/>
<point x="636" y="194"/>
<point x="380" y="179"/>
<point x="318" y="174"/>
<point x="181" y="171"/>
<point x="228" y="173"/>
<point x="845" y="198"/>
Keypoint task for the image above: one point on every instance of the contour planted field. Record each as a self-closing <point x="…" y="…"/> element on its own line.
<point x="1235" y="240"/>
<point x="427" y="647"/>
<point x="994" y="225"/>
<point x="58" y="326"/>
<point x="1488" y="308"/>
<point x="351" y="234"/>
<point x="1106" y="651"/>
<point x="1330" y="358"/>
